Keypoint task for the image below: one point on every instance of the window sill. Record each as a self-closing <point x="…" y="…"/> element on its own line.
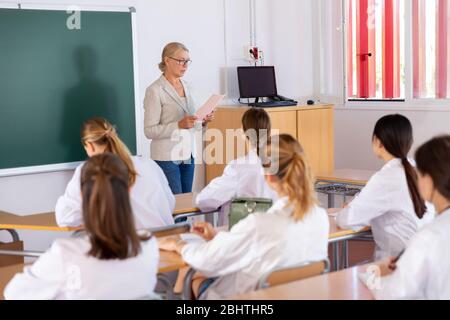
<point x="421" y="105"/>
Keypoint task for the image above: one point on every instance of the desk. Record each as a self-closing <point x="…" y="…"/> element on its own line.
<point x="185" y="203"/>
<point x="346" y="176"/>
<point x="350" y="177"/>
<point x="340" y="285"/>
<point x="47" y="221"/>
<point x="41" y="222"/>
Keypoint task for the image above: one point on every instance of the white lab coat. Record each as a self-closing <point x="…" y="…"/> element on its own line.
<point x="385" y="204"/>
<point x="243" y="177"/>
<point x="423" y="271"/>
<point x="256" y="245"/>
<point x="65" y="271"/>
<point x="152" y="200"/>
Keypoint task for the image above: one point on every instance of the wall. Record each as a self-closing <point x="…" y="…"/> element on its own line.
<point x="215" y="32"/>
<point x="353" y="133"/>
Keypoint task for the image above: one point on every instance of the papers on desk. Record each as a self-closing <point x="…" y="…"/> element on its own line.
<point x="209" y="106"/>
<point x="191" y="238"/>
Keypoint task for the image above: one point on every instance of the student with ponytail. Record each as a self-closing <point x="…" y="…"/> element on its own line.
<point x="109" y="260"/>
<point x="243" y="177"/>
<point x="293" y="231"/>
<point x="151" y="198"/>
<point x="423" y="271"/>
<point x="390" y="202"/>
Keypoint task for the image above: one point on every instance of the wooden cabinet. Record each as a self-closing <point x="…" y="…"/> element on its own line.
<point x="311" y="125"/>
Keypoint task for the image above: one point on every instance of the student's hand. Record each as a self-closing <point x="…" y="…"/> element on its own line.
<point x="168" y="244"/>
<point x="204" y="230"/>
<point x="392" y="263"/>
<point x="187" y="122"/>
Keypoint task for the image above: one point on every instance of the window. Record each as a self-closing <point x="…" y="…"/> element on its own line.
<point x="431" y="58"/>
<point x="376" y="34"/>
<point x="375" y="49"/>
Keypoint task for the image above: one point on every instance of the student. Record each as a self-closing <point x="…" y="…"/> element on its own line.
<point x="293" y="231"/>
<point x="110" y="260"/>
<point x="243" y="177"/>
<point x="423" y="271"/>
<point x="151" y="198"/>
<point x="390" y="202"/>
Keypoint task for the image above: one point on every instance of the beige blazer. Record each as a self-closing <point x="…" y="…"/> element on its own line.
<point x="163" y="109"/>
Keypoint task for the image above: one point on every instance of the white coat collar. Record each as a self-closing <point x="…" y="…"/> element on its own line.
<point x="397" y="162"/>
<point x="281" y="207"/>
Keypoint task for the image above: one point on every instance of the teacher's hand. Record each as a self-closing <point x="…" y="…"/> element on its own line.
<point x="187" y="122"/>
<point x="209" y="118"/>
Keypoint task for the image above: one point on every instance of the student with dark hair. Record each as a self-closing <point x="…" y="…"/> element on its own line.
<point x="243" y="177"/>
<point x="390" y="202"/>
<point x="110" y="260"/>
<point x="423" y="271"/>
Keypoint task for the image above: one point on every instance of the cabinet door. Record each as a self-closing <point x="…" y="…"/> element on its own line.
<point x="316" y="135"/>
<point x="224" y="119"/>
<point x="283" y="122"/>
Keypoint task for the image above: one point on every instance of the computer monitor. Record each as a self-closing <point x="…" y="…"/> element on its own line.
<point x="257" y="82"/>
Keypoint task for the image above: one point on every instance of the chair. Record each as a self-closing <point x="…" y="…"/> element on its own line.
<point x="294" y="273"/>
<point x="160" y="232"/>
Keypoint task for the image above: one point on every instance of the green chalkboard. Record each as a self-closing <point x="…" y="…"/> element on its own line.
<point x="53" y="77"/>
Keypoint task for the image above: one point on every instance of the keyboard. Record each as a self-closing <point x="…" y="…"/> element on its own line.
<point x="269" y="104"/>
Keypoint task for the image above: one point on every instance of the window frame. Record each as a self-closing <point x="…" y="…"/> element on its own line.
<point x="408" y="103"/>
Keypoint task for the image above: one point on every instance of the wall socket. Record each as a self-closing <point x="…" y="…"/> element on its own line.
<point x="253" y="53"/>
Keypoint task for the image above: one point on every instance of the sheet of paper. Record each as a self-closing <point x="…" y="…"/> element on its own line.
<point x="209" y="106"/>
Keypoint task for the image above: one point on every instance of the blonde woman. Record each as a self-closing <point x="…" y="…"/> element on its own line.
<point x="293" y="231"/>
<point x="170" y="118"/>
<point x="151" y="199"/>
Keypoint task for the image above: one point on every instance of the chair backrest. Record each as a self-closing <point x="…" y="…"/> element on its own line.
<point x="240" y="208"/>
<point x="170" y="230"/>
<point x="294" y="273"/>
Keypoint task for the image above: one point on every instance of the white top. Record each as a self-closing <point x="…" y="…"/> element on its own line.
<point x="243" y="177"/>
<point x="256" y="245"/>
<point x="66" y="272"/>
<point x="423" y="271"/>
<point x="152" y="200"/>
<point x="386" y="205"/>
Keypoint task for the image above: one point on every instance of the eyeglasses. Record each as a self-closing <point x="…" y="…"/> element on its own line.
<point x="182" y="62"/>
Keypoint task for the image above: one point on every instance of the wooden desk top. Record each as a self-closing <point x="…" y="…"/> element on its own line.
<point x="336" y="232"/>
<point x="42" y="221"/>
<point x="341" y="285"/>
<point x="47" y="221"/>
<point x="359" y="177"/>
<point x="298" y="107"/>
<point x="185" y="203"/>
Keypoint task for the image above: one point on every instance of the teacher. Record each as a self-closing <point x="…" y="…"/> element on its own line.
<point x="170" y="119"/>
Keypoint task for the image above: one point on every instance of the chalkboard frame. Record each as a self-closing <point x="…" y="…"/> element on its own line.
<point x="138" y="109"/>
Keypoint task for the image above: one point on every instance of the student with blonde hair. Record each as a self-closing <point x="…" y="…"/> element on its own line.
<point x="109" y="260"/>
<point x="151" y="198"/>
<point x="293" y="231"/>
